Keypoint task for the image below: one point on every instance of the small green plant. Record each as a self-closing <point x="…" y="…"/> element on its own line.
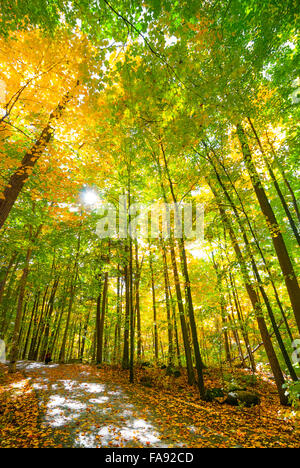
<point x="231" y="384"/>
<point x="292" y="390"/>
<point x="249" y="380"/>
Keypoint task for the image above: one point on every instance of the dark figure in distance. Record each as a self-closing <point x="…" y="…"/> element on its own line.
<point x="48" y="359"/>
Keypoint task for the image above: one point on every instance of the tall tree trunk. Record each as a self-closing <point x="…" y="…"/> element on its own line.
<point x="15" y="340"/>
<point x="72" y="342"/>
<point x="287" y="183"/>
<point x="155" y="332"/>
<point x="137" y="304"/>
<point x="4" y="321"/>
<point x="84" y="336"/>
<point x="5" y="275"/>
<point x="273" y="226"/>
<point x="176" y="336"/>
<point x="242" y="324"/>
<point x="255" y="238"/>
<point x="32" y="319"/>
<point x="50" y="308"/>
<point x="98" y="323"/>
<point x="132" y="316"/>
<point x="62" y="354"/>
<point x="101" y="312"/>
<point x="188" y="293"/>
<point x="125" y="360"/>
<point x="117" y="346"/>
<point x="274" y="363"/>
<point x="168" y="306"/>
<point x="222" y="308"/>
<point x="235" y="331"/>
<point x="37" y="335"/>
<point x="131" y="308"/>
<point x="187" y="348"/>
<point x="276" y="184"/>
<point x="20" y="177"/>
<point x="257" y="275"/>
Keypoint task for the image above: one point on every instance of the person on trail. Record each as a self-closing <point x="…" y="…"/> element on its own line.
<point x="48" y="359"/>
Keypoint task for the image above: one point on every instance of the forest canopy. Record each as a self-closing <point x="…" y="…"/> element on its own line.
<point x="155" y="103"/>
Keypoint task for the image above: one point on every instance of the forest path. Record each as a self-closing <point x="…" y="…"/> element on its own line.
<point x="85" y="412"/>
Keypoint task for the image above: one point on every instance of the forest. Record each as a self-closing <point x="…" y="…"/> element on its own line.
<point x="149" y="223"/>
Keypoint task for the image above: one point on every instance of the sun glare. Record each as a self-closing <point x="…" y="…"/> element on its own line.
<point x="89" y="197"/>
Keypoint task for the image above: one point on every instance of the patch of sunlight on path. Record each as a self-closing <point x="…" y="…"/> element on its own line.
<point x="93" y="414"/>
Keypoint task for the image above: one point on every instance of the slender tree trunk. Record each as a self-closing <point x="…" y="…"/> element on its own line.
<point x="132" y="318"/>
<point x="258" y="277"/>
<point x="15" y="340"/>
<point x="168" y="306"/>
<point x="62" y="354"/>
<point x="235" y="331"/>
<point x="276" y="185"/>
<point x="98" y="324"/>
<point x="274" y="363"/>
<point x="242" y="324"/>
<point x="187" y="348"/>
<point x="288" y="185"/>
<point x="72" y="342"/>
<point x="32" y="319"/>
<point x="101" y="311"/>
<point x="46" y="333"/>
<point x="6" y="274"/>
<point x="117" y="347"/>
<point x="155" y="332"/>
<point x="199" y="362"/>
<point x="125" y="360"/>
<point x="222" y="307"/>
<point x="5" y="297"/>
<point x="84" y="336"/>
<point x="35" y="342"/>
<point x="23" y="328"/>
<point x="259" y="249"/>
<point x="94" y="347"/>
<point x="276" y="235"/>
<point x="177" y="346"/>
<point x="137" y="305"/>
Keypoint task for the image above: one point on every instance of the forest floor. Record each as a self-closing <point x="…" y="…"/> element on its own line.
<point x="85" y="406"/>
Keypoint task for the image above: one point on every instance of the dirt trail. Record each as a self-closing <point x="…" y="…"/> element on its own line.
<point x="90" y="406"/>
<point x="84" y="412"/>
